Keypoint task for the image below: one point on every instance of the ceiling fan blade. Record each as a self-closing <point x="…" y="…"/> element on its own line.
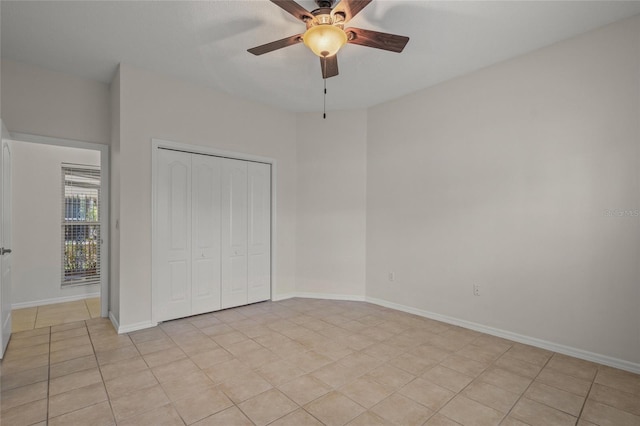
<point x="275" y="45"/>
<point x="350" y="8"/>
<point x="378" y="40"/>
<point x="295" y="9"/>
<point x="329" y="66"/>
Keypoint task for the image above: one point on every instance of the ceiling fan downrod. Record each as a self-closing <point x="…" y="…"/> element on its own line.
<point x="324" y="3"/>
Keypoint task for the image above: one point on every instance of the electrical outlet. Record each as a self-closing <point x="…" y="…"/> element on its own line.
<point x="476" y="289"/>
<point x="392" y="276"/>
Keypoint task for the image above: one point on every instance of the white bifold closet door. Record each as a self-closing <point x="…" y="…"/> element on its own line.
<point x="213" y="236"/>
<point x="234" y="234"/>
<point x="246" y="238"/>
<point x="259" y="238"/>
<point x="172" y="286"/>
<point x="205" y="241"/>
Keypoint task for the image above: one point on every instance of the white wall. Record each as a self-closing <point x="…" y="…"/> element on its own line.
<point x="331" y="197"/>
<point x="502" y="178"/>
<point x="37" y="216"/>
<point x="155" y="106"/>
<point x="49" y="103"/>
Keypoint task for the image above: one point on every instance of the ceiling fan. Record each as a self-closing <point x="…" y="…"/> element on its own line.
<point x="325" y="33"/>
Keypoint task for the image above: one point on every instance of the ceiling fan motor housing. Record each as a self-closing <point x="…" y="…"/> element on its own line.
<point x="324" y="16"/>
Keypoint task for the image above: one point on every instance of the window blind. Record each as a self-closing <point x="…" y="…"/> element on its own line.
<point x="80" y="225"/>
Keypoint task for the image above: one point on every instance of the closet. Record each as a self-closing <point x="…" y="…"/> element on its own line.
<point x="212" y="238"/>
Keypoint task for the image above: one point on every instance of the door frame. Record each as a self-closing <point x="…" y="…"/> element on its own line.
<point x="207" y="150"/>
<point x="104" y="200"/>
<point x="5" y="337"/>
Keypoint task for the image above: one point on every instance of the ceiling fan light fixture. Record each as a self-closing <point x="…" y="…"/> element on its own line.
<point x="325" y="39"/>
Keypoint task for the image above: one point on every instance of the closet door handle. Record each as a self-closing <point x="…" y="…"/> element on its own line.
<point x="4" y="251"/>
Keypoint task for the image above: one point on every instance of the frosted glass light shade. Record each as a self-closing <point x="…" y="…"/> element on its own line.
<point x="324" y="40"/>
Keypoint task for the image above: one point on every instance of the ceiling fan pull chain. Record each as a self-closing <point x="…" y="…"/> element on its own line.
<point x="324" y="105"/>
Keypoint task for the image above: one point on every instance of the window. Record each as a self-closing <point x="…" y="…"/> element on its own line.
<point x="80" y="225"/>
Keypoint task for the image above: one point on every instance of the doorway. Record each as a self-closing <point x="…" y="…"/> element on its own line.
<point x="61" y="269"/>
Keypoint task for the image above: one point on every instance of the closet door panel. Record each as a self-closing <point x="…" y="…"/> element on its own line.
<point x="234" y="233"/>
<point x="259" y="235"/>
<point x="206" y="264"/>
<point x="172" y="291"/>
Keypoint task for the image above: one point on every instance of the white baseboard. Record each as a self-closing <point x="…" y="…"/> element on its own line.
<point x="129" y="328"/>
<point x="532" y="341"/>
<point x="331" y="296"/>
<point x="283" y="296"/>
<point x="114" y="321"/>
<point x="5" y="341"/>
<point x="135" y="327"/>
<point x="62" y="299"/>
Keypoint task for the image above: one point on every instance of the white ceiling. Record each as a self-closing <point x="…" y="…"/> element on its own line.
<point x="206" y="42"/>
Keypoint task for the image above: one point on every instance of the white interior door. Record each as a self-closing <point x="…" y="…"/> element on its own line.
<point x="172" y="294"/>
<point x="5" y="244"/>
<point x="234" y="233"/>
<point x="206" y="269"/>
<point x="259" y="268"/>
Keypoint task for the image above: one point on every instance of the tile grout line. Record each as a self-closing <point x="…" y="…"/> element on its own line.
<point x="46" y="419"/>
<point x="95" y="355"/>
<point x="419" y="376"/>
<point x="35" y="319"/>
<point x="525" y="391"/>
<point x="171" y="402"/>
<point x="300" y="407"/>
<point x="237" y="405"/>
<point x="470" y="383"/>
<point x="586" y="398"/>
<point x="604" y="402"/>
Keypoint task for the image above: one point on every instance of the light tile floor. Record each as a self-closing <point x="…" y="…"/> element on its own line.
<point x="302" y="362"/>
<point x="56" y="314"/>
